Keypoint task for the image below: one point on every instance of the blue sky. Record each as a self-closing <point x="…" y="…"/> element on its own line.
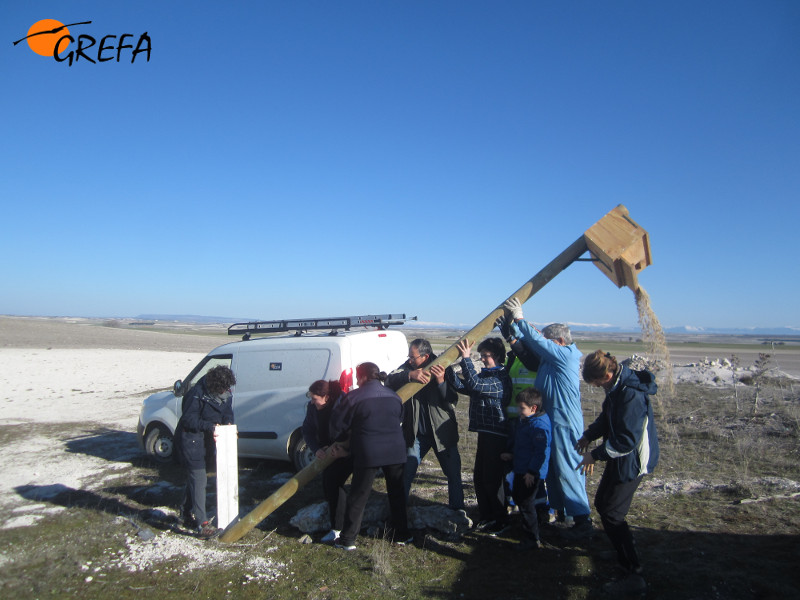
<point x="280" y="159"/>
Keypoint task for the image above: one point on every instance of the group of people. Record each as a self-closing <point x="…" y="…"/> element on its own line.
<point x="541" y="440"/>
<point x="626" y="425"/>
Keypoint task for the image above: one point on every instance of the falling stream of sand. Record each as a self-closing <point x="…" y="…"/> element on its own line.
<point x="653" y="336"/>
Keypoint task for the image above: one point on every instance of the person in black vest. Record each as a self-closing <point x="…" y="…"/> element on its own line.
<point x="372" y="414"/>
<point x="316" y="432"/>
<point x="208" y="404"/>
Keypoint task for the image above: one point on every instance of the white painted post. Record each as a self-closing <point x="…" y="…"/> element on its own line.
<point x="227" y="475"/>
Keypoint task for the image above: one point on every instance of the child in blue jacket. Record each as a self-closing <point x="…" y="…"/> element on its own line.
<point x="529" y="451"/>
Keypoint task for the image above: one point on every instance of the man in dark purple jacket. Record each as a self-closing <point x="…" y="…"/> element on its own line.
<point x="372" y="416"/>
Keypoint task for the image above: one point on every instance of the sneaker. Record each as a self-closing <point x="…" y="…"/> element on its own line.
<point x="208" y="531"/>
<point x="557" y="522"/>
<point x="404" y="541"/>
<point x="528" y="544"/>
<point x="338" y="543"/>
<point x="189" y="522"/>
<point x="631" y="584"/>
<point x="496" y="528"/>
<point x="330" y="536"/>
<point x="580" y="531"/>
<point x="482" y="525"/>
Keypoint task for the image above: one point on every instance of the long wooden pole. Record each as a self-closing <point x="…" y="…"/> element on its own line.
<point x="288" y="489"/>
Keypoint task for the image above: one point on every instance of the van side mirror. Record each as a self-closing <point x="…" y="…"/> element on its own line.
<point x="177" y="388"/>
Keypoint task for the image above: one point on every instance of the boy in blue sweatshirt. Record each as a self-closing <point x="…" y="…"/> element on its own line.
<point x="529" y="451"/>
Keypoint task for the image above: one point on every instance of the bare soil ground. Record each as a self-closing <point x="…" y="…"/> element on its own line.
<point x="86" y="515"/>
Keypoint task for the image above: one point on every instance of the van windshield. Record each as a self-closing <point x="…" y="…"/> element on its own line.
<point x="203" y="367"/>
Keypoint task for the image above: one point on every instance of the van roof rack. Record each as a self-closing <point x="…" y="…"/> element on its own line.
<point x="301" y="325"/>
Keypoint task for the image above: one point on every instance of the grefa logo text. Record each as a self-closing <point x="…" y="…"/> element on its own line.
<point x="49" y="37"/>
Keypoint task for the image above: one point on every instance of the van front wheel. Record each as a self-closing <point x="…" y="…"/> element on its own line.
<point x="299" y="452"/>
<point x="159" y="444"/>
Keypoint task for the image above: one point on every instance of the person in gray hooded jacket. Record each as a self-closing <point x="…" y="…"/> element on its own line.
<point x="429" y="419"/>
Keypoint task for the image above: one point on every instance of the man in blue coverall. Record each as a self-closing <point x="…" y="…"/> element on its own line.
<point x="558" y="379"/>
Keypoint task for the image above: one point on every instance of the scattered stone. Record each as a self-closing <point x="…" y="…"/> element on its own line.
<point x="280" y="478"/>
<point x="196" y="554"/>
<point x="439" y="517"/>
<point x="637" y="362"/>
<point x="312" y="518"/>
<point x="315" y="518"/>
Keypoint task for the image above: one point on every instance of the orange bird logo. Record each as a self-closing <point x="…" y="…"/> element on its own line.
<point x="45" y="34"/>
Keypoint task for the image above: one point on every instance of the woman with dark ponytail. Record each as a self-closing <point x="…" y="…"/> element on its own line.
<point x="372" y="414"/>
<point x="316" y="432"/>
<point x="630" y="447"/>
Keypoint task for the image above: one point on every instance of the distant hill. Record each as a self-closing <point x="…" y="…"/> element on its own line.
<point x="576" y="327"/>
<point x="791" y="331"/>
<point x="193" y="318"/>
<point x="689" y="330"/>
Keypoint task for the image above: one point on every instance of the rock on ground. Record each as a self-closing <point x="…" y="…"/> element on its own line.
<point x="315" y="518"/>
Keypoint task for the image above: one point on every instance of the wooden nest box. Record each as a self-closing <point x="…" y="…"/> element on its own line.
<point x="619" y="247"/>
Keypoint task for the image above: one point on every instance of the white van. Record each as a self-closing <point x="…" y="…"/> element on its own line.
<point x="272" y="378"/>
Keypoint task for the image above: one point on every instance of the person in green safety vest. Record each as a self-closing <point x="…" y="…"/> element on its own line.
<point x="522" y="375"/>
